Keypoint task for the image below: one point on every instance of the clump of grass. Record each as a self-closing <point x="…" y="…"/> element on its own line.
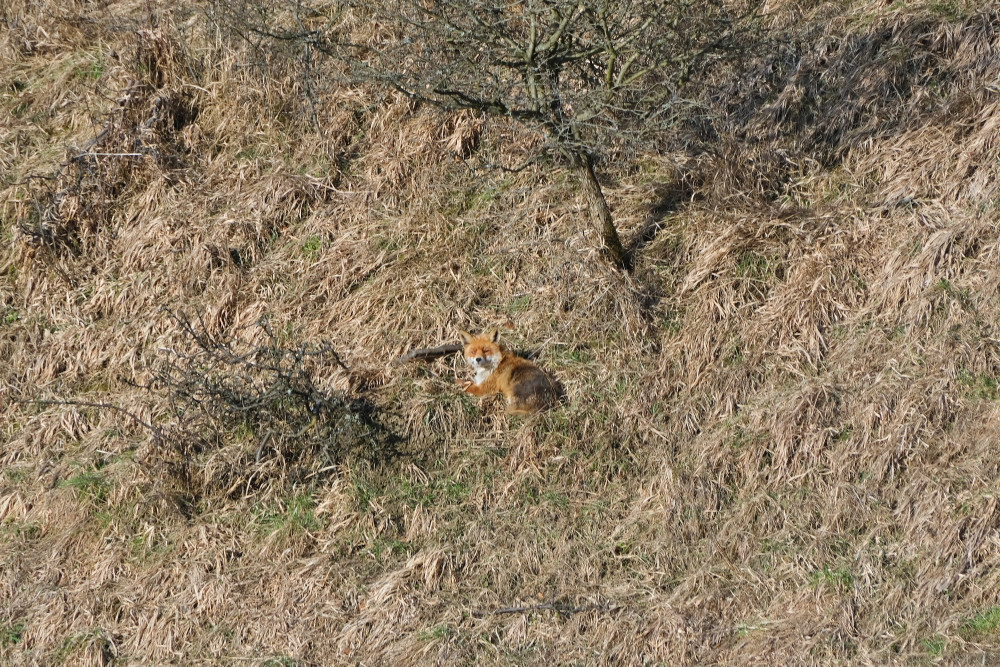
<point x="981" y="625"/>
<point x="90" y="485"/>
<point x="838" y="578"/>
<point x="979" y="385"/>
<point x="11" y="635"/>
<point x="935" y="646"/>
<point x="311" y="247"/>
<point x="291" y="515"/>
<point x="280" y="661"/>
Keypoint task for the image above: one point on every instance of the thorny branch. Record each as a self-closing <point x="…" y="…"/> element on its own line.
<point x="224" y="393"/>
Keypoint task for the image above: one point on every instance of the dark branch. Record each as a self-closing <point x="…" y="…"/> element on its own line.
<point x="428" y="353"/>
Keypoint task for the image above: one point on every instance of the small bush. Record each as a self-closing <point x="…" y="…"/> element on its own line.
<point x="247" y="414"/>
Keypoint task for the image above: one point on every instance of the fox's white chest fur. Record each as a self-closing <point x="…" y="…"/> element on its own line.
<point x="482" y="374"/>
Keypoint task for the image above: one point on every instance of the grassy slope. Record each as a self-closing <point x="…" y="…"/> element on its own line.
<point x="779" y="443"/>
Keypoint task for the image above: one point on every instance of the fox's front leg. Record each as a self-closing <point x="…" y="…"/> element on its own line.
<point x="475" y="389"/>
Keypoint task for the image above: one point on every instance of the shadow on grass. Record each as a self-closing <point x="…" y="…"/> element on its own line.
<point x="669" y="198"/>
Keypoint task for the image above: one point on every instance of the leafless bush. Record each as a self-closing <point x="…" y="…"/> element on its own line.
<point x="244" y="414"/>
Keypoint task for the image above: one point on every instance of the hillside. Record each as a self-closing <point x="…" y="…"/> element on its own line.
<point x="779" y="438"/>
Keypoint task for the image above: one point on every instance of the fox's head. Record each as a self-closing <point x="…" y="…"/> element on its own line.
<point x="483" y="351"/>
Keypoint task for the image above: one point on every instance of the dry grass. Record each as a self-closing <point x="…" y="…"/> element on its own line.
<point x="779" y="439"/>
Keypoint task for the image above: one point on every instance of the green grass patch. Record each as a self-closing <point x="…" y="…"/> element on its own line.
<point x="952" y="12"/>
<point x="734" y="354"/>
<point x="671" y="320"/>
<point x="565" y="355"/>
<point x="89" y="485"/>
<point x="963" y="296"/>
<point x="364" y="492"/>
<point x="294" y="514"/>
<point x="91" y="71"/>
<point x="979" y="385"/>
<point x="520" y="304"/>
<point x="437" y="632"/>
<point x="11" y="635"/>
<point x="934" y="646"/>
<point x="17" y="475"/>
<point x="982" y="624"/>
<point x="311" y="248"/>
<point x="495" y="265"/>
<point x="381" y="549"/>
<point x="146" y="548"/>
<point x="840" y="578"/>
<point x="843" y="435"/>
<point x="388" y="244"/>
<point x="446" y="490"/>
<point x="28" y="530"/>
<point x="754" y="266"/>
<point x="78" y="641"/>
<point x="557" y="499"/>
<point x="281" y="661"/>
<point x="470" y="199"/>
<point x="249" y="153"/>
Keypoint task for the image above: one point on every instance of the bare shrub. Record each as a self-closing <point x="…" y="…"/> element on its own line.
<point x="244" y="414"/>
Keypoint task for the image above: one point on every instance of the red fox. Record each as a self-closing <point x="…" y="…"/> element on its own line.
<point x="526" y="387"/>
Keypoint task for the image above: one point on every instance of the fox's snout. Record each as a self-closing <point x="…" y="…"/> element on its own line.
<point x="482" y="359"/>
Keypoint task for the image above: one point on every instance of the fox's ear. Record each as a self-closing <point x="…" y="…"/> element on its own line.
<point x="465" y="336"/>
<point x="495" y="335"/>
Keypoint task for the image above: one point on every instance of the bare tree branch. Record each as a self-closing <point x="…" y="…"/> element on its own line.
<point x="428" y="353"/>
<point x="590" y="74"/>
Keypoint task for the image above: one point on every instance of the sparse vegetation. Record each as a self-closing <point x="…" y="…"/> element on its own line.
<point x="89" y="485"/>
<point x="779" y="436"/>
<point x="245" y="410"/>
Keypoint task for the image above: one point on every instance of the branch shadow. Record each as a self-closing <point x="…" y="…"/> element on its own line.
<point x="668" y="199"/>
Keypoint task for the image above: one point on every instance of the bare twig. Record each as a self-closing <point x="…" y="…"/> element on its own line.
<point x="83" y="155"/>
<point x="429" y="353"/>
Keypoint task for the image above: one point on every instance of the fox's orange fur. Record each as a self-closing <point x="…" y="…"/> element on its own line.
<point x="526" y="387"/>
